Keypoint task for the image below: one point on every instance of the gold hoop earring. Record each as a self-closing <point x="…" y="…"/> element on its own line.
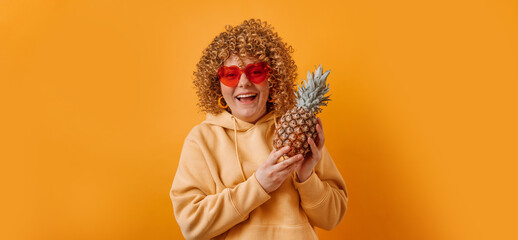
<point x="220" y="104"/>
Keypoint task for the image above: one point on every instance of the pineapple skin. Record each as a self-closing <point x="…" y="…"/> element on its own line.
<point x="294" y="129"/>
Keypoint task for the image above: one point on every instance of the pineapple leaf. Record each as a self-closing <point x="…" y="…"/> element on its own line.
<point x="326" y="74"/>
<point x="318" y="72"/>
<point x="310" y="94"/>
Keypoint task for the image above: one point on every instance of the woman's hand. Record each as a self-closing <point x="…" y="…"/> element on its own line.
<point x="272" y="174"/>
<point x="305" y="168"/>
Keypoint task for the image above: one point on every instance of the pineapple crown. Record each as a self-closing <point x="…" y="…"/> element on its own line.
<point x="310" y="95"/>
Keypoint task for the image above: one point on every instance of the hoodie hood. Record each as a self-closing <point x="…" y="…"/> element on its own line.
<point x="229" y="121"/>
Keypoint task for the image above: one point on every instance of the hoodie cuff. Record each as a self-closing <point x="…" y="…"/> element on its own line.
<point x="248" y="196"/>
<point x="311" y="191"/>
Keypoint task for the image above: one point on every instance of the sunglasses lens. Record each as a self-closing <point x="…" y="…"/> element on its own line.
<point x="256" y="73"/>
<point x="229" y="75"/>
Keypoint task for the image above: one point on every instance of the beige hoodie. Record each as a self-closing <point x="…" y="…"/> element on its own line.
<point x="215" y="193"/>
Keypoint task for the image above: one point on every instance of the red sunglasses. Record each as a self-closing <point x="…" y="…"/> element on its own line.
<point x="255" y="72"/>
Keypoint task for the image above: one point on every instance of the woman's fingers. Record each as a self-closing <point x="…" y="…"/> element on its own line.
<point x="289" y="162"/>
<point x="320" y="135"/>
<point x="320" y="132"/>
<point x="314" y="148"/>
<point x="276" y="154"/>
<point x="320" y="123"/>
<point x="288" y="169"/>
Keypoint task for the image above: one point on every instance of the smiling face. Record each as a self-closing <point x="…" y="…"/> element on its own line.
<point x="247" y="100"/>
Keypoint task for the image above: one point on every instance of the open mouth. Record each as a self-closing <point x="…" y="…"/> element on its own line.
<point x="246" y="98"/>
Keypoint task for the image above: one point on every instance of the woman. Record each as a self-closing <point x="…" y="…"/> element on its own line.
<point x="230" y="183"/>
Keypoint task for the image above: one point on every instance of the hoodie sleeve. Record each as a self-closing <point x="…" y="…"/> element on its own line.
<point x="201" y="212"/>
<point x="323" y="195"/>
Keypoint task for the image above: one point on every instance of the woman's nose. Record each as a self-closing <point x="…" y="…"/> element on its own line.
<point x="243" y="81"/>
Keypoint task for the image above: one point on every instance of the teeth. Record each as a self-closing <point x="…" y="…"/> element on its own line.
<point x="246" y="95"/>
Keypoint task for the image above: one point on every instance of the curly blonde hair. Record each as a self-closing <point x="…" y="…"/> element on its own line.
<point x="252" y="38"/>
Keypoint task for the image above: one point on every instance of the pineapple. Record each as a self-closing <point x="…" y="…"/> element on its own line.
<point x="298" y="124"/>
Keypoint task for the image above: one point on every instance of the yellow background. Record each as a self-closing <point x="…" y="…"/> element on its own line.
<point x="96" y="99"/>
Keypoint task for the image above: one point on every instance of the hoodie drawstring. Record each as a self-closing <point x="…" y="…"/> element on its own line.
<point x="237" y="154"/>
